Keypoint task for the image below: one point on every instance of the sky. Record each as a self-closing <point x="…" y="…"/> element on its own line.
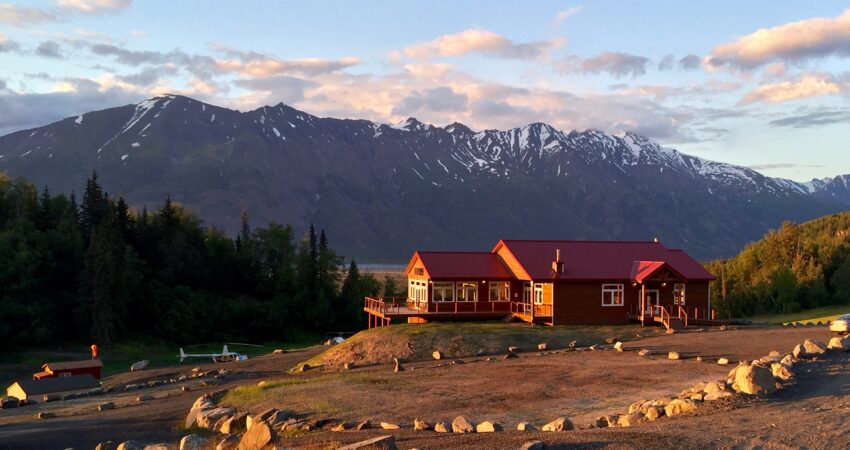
<point x="762" y="84"/>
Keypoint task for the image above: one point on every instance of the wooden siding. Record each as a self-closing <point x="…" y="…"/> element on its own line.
<point x="512" y="263"/>
<point x="581" y="302"/>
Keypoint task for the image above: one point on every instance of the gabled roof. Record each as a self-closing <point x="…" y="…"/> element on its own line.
<point x="460" y="265"/>
<point x="641" y="270"/>
<point x="69" y="365"/>
<point x="600" y="260"/>
<point x="58" y="384"/>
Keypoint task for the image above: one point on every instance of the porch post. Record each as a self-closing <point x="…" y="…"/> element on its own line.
<point x="642" y="303"/>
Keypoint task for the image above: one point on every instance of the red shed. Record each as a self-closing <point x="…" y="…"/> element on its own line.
<point x="68" y="368"/>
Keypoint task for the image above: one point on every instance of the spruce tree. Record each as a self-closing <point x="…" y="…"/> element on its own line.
<point x="106" y="270"/>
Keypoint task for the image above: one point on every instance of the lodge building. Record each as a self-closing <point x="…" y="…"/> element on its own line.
<point x="553" y="283"/>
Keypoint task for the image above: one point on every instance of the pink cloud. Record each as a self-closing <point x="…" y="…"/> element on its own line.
<point x="479" y="41"/>
<point x="807" y="86"/>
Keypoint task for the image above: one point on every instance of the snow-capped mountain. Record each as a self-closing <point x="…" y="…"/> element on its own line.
<point x="381" y="190"/>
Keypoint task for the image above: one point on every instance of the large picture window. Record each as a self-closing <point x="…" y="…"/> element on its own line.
<point x="443" y="292"/>
<point x="612" y="295"/>
<point x="467" y="291"/>
<point x="679" y="293"/>
<point x="500" y="291"/>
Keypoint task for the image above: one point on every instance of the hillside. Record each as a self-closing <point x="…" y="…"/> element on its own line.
<point x="791" y="268"/>
<point x="384" y="190"/>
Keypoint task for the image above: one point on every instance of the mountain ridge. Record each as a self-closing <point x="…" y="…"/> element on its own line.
<point x="385" y="189"/>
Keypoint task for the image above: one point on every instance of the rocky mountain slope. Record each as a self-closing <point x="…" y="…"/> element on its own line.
<point x="383" y="190"/>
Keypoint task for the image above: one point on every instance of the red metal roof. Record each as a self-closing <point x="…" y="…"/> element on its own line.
<point x="459" y="265"/>
<point x="600" y="260"/>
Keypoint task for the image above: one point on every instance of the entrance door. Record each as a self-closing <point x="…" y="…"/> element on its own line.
<point x="653" y="300"/>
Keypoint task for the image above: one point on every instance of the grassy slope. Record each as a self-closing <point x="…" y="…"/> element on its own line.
<point x="417" y="342"/>
<point x="822" y="314"/>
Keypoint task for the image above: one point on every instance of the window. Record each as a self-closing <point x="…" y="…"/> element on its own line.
<point x="612" y="295"/>
<point x="679" y="293"/>
<point x="538" y="294"/>
<point x="526" y="293"/>
<point x="417" y="291"/>
<point x="418" y="271"/>
<point x="467" y="291"/>
<point x="500" y="291"/>
<point x="444" y="292"/>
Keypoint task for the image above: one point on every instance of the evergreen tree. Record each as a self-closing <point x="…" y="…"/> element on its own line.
<point x="94" y="207"/>
<point x="44" y="216"/>
<point x="390" y="288"/>
<point x="106" y="270"/>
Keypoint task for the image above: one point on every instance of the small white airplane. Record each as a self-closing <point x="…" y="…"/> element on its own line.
<point x="224" y="356"/>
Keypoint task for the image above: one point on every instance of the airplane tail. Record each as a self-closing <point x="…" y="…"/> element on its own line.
<point x="182" y="354"/>
<point x="224" y="350"/>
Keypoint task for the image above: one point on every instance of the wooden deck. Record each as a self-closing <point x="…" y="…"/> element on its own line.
<point x="382" y="311"/>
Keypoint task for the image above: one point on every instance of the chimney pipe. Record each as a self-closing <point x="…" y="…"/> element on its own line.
<point x="557" y="264"/>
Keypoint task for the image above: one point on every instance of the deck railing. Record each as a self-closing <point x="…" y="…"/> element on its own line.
<point x="683" y="314"/>
<point x="528" y="309"/>
<point x="385" y="305"/>
<point x="393" y="305"/>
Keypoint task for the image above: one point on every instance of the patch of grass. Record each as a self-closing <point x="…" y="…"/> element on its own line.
<point x="272" y="389"/>
<point x="822" y="314"/>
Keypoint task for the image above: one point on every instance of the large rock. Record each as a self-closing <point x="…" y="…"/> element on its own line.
<point x="679" y="406"/>
<point x="618" y="346"/>
<point x="542" y="346"/>
<point x="139" y="365"/>
<point x="673" y="355"/>
<point x="234" y="424"/>
<point x="711" y="396"/>
<point x="441" y="427"/>
<point x="389" y="426"/>
<point x="379" y="443"/>
<point x="192" y="442"/>
<point x="653" y="413"/>
<point x="713" y="386"/>
<point x="262" y="416"/>
<point x="261" y="436"/>
<point x="130" y="445"/>
<point x="228" y="443"/>
<point x="525" y="426"/>
<point x="487" y="427"/>
<point x="814" y="347"/>
<point x="839" y="343"/>
<point x="208" y="417"/>
<point x="781" y="371"/>
<point x="629" y="420"/>
<point x="461" y="425"/>
<point x="438" y="355"/>
<point x="722" y="361"/>
<point x="420" y="425"/>
<point x="754" y="379"/>
<point x="799" y="351"/>
<point x="559" y="424"/>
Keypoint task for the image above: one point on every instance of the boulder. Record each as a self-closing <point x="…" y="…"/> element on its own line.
<point x="438" y="355"/>
<point x="645" y="352"/>
<point x="279" y="351"/>
<point x="139" y="365"/>
<point x="461" y="425"/>
<point x="713" y="386"/>
<point x="510" y="355"/>
<point x="679" y="406"/>
<point x="712" y="396"/>
<point x="722" y="361"/>
<point x="9" y="402"/>
<point x="228" y="443"/>
<point x="601" y="422"/>
<point x="441" y="427"/>
<point x="130" y="445"/>
<point x="260" y="436"/>
<point x="798" y="351"/>
<point x="814" y="347"/>
<point x="105" y="406"/>
<point x="618" y="346"/>
<point x="420" y="425"/>
<point x="836" y="343"/>
<point x="542" y="346"/>
<point x="788" y="360"/>
<point x="653" y="412"/>
<point x="207" y="418"/>
<point x="487" y="427"/>
<point x="754" y="379"/>
<point x="389" y="426"/>
<point x="379" y="443"/>
<point x="108" y="445"/>
<point x="234" y="424"/>
<point x="673" y="355"/>
<point x="364" y="425"/>
<point x="277" y="418"/>
<point x="735" y="369"/>
<point x="45" y="415"/>
<point x="532" y="445"/>
<point x="262" y="416"/>
<point x="559" y="424"/>
<point x="342" y="426"/>
<point x="781" y="371"/>
<point x="525" y="426"/>
<point x="192" y="442"/>
<point x="629" y="420"/>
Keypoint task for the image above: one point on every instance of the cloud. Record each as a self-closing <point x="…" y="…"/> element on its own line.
<point x="806" y="86"/>
<point x="814" y="119"/>
<point x="7" y="45"/>
<point x="614" y="63"/>
<point x="480" y="41"/>
<point x="94" y="6"/>
<point x="791" y="42"/>
<point x="49" y="49"/>
<point x="690" y="62"/>
<point x="21" y="16"/>
<point x="666" y="63"/>
<point x="773" y="166"/>
<point x="256" y="65"/>
<point x="148" y="76"/>
<point x="439" y="99"/>
<point x="563" y="15"/>
<point x="278" y="88"/>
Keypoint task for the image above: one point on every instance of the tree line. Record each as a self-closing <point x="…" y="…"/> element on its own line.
<point x="99" y="271"/>
<point x="792" y="268"/>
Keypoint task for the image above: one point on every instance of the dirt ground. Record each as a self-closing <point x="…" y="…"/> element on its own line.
<point x="813" y="413"/>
